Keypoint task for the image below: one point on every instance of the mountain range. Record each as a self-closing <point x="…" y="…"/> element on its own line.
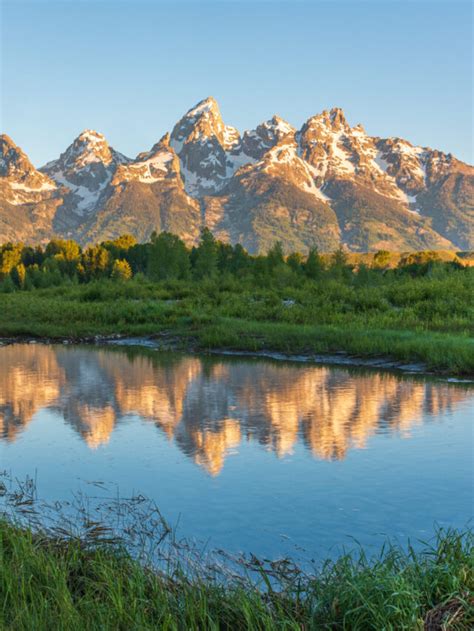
<point x="323" y="185"/>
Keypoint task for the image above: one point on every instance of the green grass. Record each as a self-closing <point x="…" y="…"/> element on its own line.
<point x="56" y="584"/>
<point x="424" y="319"/>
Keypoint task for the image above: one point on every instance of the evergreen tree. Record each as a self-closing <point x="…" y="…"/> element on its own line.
<point x="260" y="270"/>
<point x="240" y="259"/>
<point x="314" y="266"/>
<point x="137" y="255"/>
<point x="340" y="268"/>
<point x="51" y="275"/>
<point x="167" y="258"/>
<point x="225" y="254"/>
<point x="275" y="256"/>
<point x="7" y="285"/>
<point x="33" y="276"/>
<point x="363" y="275"/>
<point x="205" y="265"/>
<point x="295" y="261"/>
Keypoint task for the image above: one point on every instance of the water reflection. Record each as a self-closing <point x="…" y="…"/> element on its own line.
<point x="210" y="406"/>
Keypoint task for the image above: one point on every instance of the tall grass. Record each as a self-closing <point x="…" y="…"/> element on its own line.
<point x="63" y="584"/>
<point x="115" y="564"/>
<point x="423" y="319"/>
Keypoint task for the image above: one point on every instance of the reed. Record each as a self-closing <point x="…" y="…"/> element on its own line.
<point x="67" y="571"/>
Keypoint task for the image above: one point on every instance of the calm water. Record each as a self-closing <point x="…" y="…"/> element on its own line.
<point x="250" y="455"/>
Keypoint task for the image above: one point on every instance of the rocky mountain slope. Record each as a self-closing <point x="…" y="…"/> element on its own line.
<point x="29" y="200"/>
<point x="324" y="184"/>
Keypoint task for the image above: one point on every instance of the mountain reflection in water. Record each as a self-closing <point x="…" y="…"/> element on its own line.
<point x="209" y="406"/>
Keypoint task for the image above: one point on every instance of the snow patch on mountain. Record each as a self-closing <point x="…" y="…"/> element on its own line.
<point x="283" y="161"/>
<point x="230" y="136"/>
<point x="45" y="186"/>
<point x="340" y="155"/>
<point x="237" y="160"/>
<point x="194" y="183"/>
<point x="154" y="169"/>
<point x="380" y="162"/>
<point x="84" y="199"/>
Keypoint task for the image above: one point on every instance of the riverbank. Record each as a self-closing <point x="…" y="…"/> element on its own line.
<point x="39" y="318"/>
<point x="416" y="325"/>
<point x="167" y="341"/>
<point x="50" y="583"/>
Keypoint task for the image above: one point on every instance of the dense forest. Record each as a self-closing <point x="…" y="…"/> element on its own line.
<point x="166" y="257"/>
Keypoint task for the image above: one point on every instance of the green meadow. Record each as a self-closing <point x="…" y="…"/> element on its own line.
<point x="415" y="308"/>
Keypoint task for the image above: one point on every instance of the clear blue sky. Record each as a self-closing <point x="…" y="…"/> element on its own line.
<point x="131" y="69"/>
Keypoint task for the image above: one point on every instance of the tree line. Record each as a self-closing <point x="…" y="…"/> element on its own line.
<point x="166" y="257"/>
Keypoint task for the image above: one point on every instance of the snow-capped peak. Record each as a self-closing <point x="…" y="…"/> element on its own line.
<point x="158" y="164"/>
<point x="202" y="140"/>
<point x="91" y="136"/>
<point x="89" y="147"/>
<point x="24" y="184"/>
<point x="278" y="126"/>
<point x="333" y="119"/>
<point x="265" y="136"/>
<point x="86" y="168"/>
<point x="202" y="123"/>
<point x="13" y="162"/>
<point x="208" y="104"/>
<point x="342" y="169"/>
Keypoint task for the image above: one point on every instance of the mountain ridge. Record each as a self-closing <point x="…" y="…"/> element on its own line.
<point x="322" y="185"/>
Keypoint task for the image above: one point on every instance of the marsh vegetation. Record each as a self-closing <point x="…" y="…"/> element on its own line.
<point x="412" y="308"/>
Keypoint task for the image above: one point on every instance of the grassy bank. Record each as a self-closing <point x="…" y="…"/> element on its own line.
<point x="425" y="319"/>
<point x="54" y="584"/>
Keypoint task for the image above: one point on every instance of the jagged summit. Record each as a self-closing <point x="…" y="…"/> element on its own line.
<point x="13" y="161"/>
<point x="6" y="143"/>
<point x="276" y="128"/>
<point x="84" y="170"/>
<point x="28" y="198"/>
<point x="88" y="147"/>
<point x="90" y="135"/>
<point x="24" y="181"/>
<point x="163" y="143"/>
<point x="333" y="119"/>
<point x="156" y="165"/>
<point x="201" y="123"/>
<point x="201" y="140"/>
<point x="209" y="104"/>
<point x="337" y="116"/>
<point x="322" y="184"/>
<point x="204" y="116"/>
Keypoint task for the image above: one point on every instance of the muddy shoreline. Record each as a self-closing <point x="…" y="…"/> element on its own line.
<point x="170" y="342"/>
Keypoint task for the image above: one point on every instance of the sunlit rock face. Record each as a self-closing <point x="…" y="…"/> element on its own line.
<point x="29" y="199"/>
<point x="83" y="173"/>
<point x="324" y="184"/>
<point x="210" y="407"/>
